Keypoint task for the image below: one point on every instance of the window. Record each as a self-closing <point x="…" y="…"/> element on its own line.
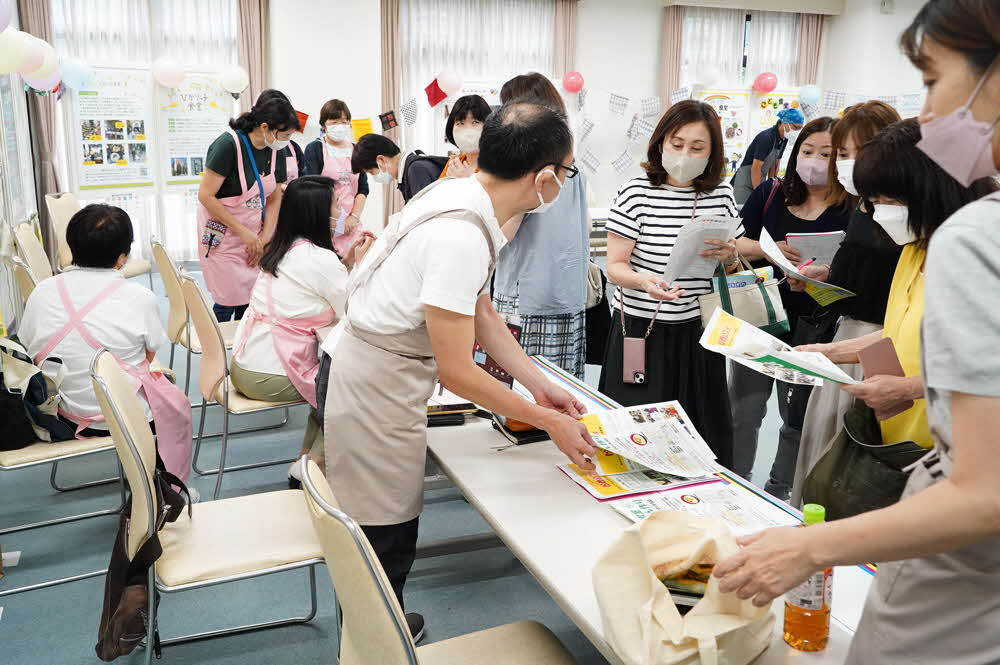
<point x="733" y="46"/>
<point x="483" y="40"/>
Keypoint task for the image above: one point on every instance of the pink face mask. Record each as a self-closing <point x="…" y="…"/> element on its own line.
<point x="960" y="144"/>
<point x="813" y="170"/>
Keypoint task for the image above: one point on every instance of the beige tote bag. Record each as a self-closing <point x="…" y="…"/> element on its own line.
<point x="641" y="621"/>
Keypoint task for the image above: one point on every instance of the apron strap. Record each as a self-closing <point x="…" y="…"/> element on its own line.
<point x="76" y="317"/>
<point x="256" y="174"/>
<point x="239" y="161"/>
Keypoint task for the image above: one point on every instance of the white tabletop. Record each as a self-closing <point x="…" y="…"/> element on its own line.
<point x="558" y="531"/>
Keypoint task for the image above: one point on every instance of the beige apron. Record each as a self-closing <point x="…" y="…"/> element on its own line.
<point x="375" y="417"/>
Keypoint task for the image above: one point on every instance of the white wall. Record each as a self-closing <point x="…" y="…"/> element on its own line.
<point x="618" y="45"/>
<point x="324" y="49"/>
<point x="860" y="52"/>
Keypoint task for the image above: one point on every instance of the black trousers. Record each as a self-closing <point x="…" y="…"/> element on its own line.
<point x="395" y="546"/>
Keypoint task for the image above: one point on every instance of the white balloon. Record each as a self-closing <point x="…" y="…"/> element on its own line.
<point x="450" y="82"/>
<point x="10" y="53"/>
<point x="20" y="52"/>
<point x="234" y="79"/>
<point x="168" y="73"/>
<point x="50" y="63"/>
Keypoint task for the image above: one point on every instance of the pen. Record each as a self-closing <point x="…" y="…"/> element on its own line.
<point x="806" y="263"/>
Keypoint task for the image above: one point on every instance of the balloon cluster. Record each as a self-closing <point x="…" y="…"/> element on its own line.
<point x="34" y="59"/>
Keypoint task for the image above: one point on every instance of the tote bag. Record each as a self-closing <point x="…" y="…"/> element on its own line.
<point x="642" y="623"/>
<point x="758" y="304"/>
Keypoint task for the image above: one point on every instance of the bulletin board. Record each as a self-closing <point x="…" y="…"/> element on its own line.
<point x="732" y="107"/>
<point x="192" y="116"/>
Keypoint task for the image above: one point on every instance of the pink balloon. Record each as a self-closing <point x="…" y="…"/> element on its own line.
<point x="32" y="53"/>
<point x="44" y="84"/>
<point x="573" y="82"/>
<point x="765" y="82"/>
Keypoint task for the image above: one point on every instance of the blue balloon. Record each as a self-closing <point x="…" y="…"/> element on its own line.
<point x="76" y="74"/>
<point x="810" y="94"/>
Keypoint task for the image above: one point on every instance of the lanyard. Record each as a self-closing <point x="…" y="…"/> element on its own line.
<point x="256" y="174"/>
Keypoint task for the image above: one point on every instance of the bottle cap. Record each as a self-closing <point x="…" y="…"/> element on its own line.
<point x="813" y="513"/>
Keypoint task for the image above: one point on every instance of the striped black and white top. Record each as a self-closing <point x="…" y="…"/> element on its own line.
<point x="652" y="216"/>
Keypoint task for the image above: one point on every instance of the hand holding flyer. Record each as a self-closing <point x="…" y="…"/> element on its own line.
<point x="754" y="348"/>
<point x="821" y="292"/>
<point x="685" y="256"/>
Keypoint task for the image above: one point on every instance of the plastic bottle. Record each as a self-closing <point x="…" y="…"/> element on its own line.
<point x="807" y="606"/>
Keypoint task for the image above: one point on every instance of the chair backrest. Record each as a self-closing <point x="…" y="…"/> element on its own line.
<point x="31" y="250"/>
<point x="178" y="315"/>
<point x="375" y="630"/>
<point x="62" y="207"/>
<point x="133" y="440"/>
<point x="213" y="367"/>
<point x="22" y="277"/>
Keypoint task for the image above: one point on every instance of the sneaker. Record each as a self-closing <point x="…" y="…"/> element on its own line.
<point x="416" y="624"/>
<point x="195" y="495"/>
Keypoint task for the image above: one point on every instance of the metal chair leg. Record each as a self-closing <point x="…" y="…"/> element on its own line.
<point x="187" y="371"/>
<point x="237" y="467"/>
<point x="50" y="583"/>
<point x="173" y="348"/>
<point x="150" y="273"/>
<point x="198" y="439"/>
<point x="79" y="486"/>
<point x="222" y="455"/>
<point x="152" y="616"/>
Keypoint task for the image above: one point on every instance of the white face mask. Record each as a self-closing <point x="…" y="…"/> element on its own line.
<point x="278" y="145"/>
<point x="893" y="219"/>
<point x="845" y="175"/>
<point x="467" y="140"/>
<point x="683" y="168"/>
<point x="339" y="133"/>
<point x="793" y="135"/>
<point x="383" y="177"/>
<point x="542" y="204"/>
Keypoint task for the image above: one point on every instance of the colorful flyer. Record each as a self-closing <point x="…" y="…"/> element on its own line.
<point x="192" y="116"/>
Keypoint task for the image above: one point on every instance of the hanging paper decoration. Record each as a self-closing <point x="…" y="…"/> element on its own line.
<point x="409" y="111"/>
<point x="303" y="119"/>
<point x="680" y="94"/>
<point x="580" y="98"/>
<point x="361" y="126"/>
<point x="583" y="131"/>
<point x="617" y="103"/>
<point x="590" y="161"/>
<point x="810" y="111"/>
<point x="623" y="161"/>
<point x="834" y="101"/>
<point x="891" y="100"/>
<point x="650" y="107"/>
<point x="645" y="128"/>
<point x="435" y="95"/>
<point x="632" y="133"/>
<point x="388" y="120"/>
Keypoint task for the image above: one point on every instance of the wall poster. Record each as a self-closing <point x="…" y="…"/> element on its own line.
<point x="191" y="116"/>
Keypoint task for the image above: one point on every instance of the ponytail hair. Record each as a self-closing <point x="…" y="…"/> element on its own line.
<point x="276" y="112"/>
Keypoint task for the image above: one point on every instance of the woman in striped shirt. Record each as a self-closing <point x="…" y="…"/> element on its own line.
<point x="684" y="180"/>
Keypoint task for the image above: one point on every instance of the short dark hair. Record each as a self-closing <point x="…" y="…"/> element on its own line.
<point x="795" y="189"/>
<point x="368" y="148"/>
<point x="305" y="213"/>
<point x="532" y="86"/>
<point x="465" y="105"/>
<point x="862" y="122"/>
<point x="684" y="113"/>
<point x="891" y="165"/>
<point x="334" y="109"/>
<point x="98" y="234"/>
<point x="523" y="136"/>
<point x="971" y="27"/>
<point x="277" y="112"/>
<point x="270" y="93"/>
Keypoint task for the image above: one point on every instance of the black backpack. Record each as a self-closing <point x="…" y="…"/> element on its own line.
<point x="125" y="617"/>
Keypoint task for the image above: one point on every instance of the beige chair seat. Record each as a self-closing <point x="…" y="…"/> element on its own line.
<point x="37" y="452"/>
<point x="228" y="329"/>
<point x="136" y="267"/>
<point x="240" y="403"/>
<point x="235" y="536"/>
<point x="520" y="643"/>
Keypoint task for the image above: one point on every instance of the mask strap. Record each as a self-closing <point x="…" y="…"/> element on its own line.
<point x="554" y="176"/>
<point x="979" y="86"/>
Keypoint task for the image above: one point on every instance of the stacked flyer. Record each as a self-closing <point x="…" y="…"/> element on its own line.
<point x="643" y="449"/>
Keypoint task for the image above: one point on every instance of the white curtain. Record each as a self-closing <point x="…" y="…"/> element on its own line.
<point x="195" y="32"/>
<point x="102" y="31"/>
<point x="713" y="38"/>
<point x="482" y="40"/>
<point x="774" y="46"/>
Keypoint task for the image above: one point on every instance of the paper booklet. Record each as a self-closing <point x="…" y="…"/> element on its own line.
<point x="821" y="292"/>
<point x="742" y="511"/>
<point x="821" y="247"/>
<point x="754" y="348"/>
<point x="623" y="484"/>
<point x="684" y="255"/>
<point x="656" y="437"/>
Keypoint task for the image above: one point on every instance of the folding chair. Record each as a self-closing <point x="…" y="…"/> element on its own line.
<point x="23" y="279"/>
<point x="31" y="251"/>
<point x="62" y="207"/>
<point x="215" y="385"/>
<point x="223" y="541"/>
<point x="374" y="628"/>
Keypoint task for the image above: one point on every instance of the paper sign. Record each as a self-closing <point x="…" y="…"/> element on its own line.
<point x="360" y="127"/>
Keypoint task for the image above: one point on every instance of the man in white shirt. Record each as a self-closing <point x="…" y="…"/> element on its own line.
<point x="125" y="318"/>
<point x="417" y="304"/>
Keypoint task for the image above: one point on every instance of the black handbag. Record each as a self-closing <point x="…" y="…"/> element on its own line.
<point x="859" y="473"/>
<point x="816" y="328"/>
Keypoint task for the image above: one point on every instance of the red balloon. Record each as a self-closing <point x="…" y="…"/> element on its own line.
<point x="573" y="82"/>
<point x="765" y="82"/>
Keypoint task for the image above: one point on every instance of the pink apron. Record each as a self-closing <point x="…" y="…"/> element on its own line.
<point x="291" y="165"/>
<point x="294" y="340"/>
<point x="170" y="406"/>
<point x="224" y="257"/>
<point x="346" y="188"/>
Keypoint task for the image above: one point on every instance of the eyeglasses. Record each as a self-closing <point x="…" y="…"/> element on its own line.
<point x="571" y="171"/>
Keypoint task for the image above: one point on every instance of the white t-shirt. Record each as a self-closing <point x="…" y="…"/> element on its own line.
<point x="310" y="281"/>
<point x="127" y="324"/>
<point x="444" y="263"/>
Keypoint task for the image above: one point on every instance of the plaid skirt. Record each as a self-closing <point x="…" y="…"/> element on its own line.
<point x="560" y="338"/>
